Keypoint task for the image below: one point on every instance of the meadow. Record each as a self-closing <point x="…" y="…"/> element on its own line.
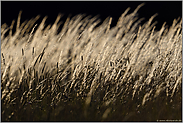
<point x="91" y="72"/>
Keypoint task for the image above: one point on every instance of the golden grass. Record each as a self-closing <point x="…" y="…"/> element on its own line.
<point x="91" y="72"/>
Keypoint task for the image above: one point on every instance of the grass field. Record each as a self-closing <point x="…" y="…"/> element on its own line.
<point x="91" y="72"/>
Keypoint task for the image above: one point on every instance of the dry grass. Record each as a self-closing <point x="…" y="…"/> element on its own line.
<point x="90" y="72"/>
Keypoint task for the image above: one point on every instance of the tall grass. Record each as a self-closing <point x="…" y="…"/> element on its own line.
<point x="91" y="72"/>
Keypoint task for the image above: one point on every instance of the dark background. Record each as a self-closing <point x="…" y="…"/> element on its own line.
<point x="167" y="10"/>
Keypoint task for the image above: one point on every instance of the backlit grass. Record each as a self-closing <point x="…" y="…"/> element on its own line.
<point x="91" y="72"/>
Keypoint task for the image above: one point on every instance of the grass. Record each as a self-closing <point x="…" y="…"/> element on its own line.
<point x="91" y="72"/>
